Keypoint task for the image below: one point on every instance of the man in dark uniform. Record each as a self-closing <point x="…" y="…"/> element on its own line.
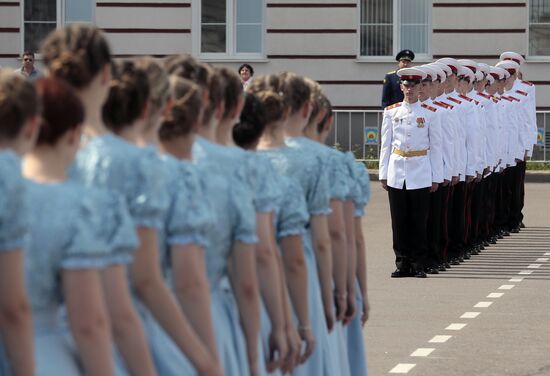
<point x="391" y="92"/>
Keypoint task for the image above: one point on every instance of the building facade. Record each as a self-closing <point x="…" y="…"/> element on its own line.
<point x="347" y="45"/>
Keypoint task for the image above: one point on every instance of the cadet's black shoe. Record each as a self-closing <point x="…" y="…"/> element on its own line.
<point x="401" y="273"/>
<point x="486" y="244"/>
<point x="455" y="261"/>
<point x="431" y="270"/>
<point x="500" y="235"/>
<point x="441" y="268"/>
<point x="521" y="225"/>
<point x="493" y="240"/>
<point x="420" y="274"/>
<point x="447" y="265"/>
<point x="460" y="259"/>
<point x="475" y="251"/>
<point x="515" y="230"/>
<point x="505" y="233"/>
<point x="466" y="255"/>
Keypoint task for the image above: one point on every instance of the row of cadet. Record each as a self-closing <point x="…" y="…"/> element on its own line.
<point x="157" y="220"/>
<point x="477" y="130"/>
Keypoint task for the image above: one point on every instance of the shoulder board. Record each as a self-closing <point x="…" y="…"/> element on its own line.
<point x="392" y="72"/>
<point x="527" y="83"/>
<point x="393" y="106"/>
<point x="454" y="100"/>
<point x="507" y="98"/>
<point x="513" y="98"/>
<point x="484" y="95"/>
<point x="440" y="104"/>
<point x="448" y="105"/>
<point x="521" y="92"/>
<point x="428" y="107"/>
<point x="465" y="97"/>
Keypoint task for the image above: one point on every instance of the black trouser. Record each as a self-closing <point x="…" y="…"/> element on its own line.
<point x="502" y="210"/>
<point x="490" y="205"/>
<point x="435" y="227"/>
<point x="457" y="225"/>
<point x="522" y="167"/>
<point x="409" y="215"/>
<point x="446" y="220"/>
<point x="477" y="212"/>
<point x="514" y="182"/>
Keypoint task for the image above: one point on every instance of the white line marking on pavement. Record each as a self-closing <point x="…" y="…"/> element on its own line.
<point x="456" y="326"/>
<point x="542" y="259"/>
<point x="526" y="272"/>
<point x="402" y="368"/>
<point x="422" y="351"/>
<point x="483" y="304"/>
<point x="515" y="280"/>
<point x="506" y="287"/>
<point x="470" y="315"/>
<point x="439" y="339"/>
<point x="534" y="266"/>
<point x="495" y="295"/>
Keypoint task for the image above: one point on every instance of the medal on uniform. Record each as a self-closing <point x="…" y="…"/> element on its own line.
<point x="420" y="122"/>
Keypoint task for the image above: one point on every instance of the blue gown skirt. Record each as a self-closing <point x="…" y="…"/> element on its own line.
<point x="320" y="362"/>
<point x="229" y="335"/>
<point x="356" y="343"/>
<point x="167" y="357"/>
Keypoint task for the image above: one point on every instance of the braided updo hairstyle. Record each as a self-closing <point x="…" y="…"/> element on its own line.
<point x="76" y="53"/>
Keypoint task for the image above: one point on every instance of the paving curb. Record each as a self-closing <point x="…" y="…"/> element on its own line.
<point x="530" y="176"/>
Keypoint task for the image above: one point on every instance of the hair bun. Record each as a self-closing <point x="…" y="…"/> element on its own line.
<point x="71" y="67"/>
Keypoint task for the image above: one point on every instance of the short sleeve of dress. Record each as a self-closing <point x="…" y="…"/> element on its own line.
<point x="146" y="202"/>
<point x="355" y="192"/>
<point x="318" y="198"/>
<point x="243" y="214"/>
<point x="266" y="190"/>
<point x="189" y="218"/>
<point x="117" y="228"/>
<point x="87" y="249"/>
<point x="338" y="179"/>
<point x="364" y="180"/>
<point x="293" y="215"/>
<point x="14" y="219"/>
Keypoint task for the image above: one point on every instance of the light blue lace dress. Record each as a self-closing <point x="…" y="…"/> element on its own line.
<point x="299" y="163"/>
<point x="67" y="234"/>
<point x="13" y="218"/>
<point x="226" y="188"/>
<point x="334" y="164"/>
<point x="137" y="176"/>
<point x="359" y="194"/>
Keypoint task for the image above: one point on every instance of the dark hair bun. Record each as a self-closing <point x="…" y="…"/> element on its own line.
<point x="71" y="67"/>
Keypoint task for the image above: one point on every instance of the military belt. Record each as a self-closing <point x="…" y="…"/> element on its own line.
<point x="414" y="153"/>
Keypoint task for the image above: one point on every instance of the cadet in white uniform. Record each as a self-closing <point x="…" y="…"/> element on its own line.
<point x="410" y="167"/>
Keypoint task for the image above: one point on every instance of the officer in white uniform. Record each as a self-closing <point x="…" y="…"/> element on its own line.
<point x="410" y="167"/>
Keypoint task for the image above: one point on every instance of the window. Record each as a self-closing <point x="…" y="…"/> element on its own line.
<point x="539" y="28"/>
<point x="42" y="16"/>
<point x="231" y="27"/>
<point x="389" y="26"/>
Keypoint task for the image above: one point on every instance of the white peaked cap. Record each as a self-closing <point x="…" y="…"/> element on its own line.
<point x="411" y="74"/>
<point x="468" y="73"/>
<point x="430" y="72"/>
<point x="472" y="65"/>
<point x="479" y="76"/>
<point x="514" y="56"/>
<point x="484" y="68"/>
<point x="438" y="68"/>
<point x="490" y="79"/>
<point x="448" y="71"/>
<point x="500" y="73"/>
<point x="450" y="62"/>
<point x="508" y="65"/>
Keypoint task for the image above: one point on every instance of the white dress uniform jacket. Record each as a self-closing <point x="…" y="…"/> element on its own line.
<point x="449" y="136"/>
<point x="489" y="112"/>
<point x="530" y="89"/>
<point x="410" y="128"/>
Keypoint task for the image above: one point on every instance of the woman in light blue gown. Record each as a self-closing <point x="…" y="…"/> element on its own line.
<point x="289" y="226"/>
<point x="189" y="218"/>
<point x="230" y="259"/>
<point x="17" y="135"/>
<point x="67" y="248"/>
<point x="308" y="170"/>
<point x="112" y="162"/>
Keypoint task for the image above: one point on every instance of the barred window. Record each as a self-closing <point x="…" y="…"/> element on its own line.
<point x="539" y="28"/>
<point x="40" y="17"/>
<point x="231" y="27"/>
<point x="388" y="26"/>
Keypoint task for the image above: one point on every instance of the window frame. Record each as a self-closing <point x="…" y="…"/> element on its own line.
<point x="59" y="21"/>
<point x="528" y="56"/>
<point x="396" y="35"/>
<point x="231" y="35"/>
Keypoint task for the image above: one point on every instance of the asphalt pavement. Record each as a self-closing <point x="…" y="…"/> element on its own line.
<point x="490" y="316"/>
